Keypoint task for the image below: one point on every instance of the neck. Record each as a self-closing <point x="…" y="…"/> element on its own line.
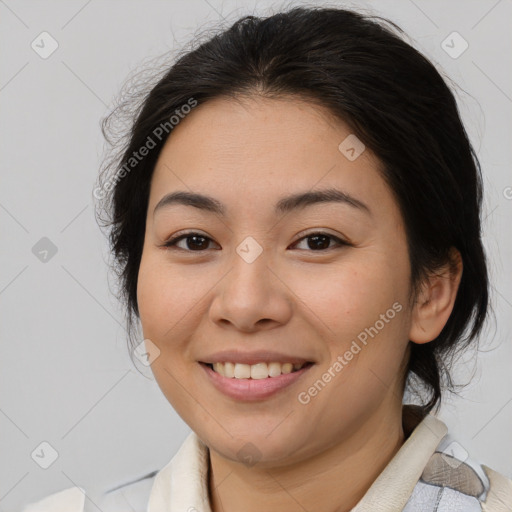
<point x="332" y="481"/>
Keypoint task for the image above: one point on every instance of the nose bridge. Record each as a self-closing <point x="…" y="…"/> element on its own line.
<point x="250" y="292"/>
<point x="250" y="268"/>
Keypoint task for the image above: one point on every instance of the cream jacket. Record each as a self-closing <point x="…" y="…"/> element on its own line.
<point x="431" y="472"/>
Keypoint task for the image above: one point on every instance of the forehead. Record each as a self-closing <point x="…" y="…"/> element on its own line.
<point x="262" y="148"/>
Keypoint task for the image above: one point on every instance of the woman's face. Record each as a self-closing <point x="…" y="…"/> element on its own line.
<point x="253" y="284"/>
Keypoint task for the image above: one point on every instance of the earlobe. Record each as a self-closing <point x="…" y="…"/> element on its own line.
<point x="435" y="301"/>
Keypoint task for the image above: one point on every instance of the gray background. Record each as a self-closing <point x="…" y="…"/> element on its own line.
<point x="65" y="375"/>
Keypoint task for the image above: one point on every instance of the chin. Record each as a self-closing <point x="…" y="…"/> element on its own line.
<point x="255" y="445"/>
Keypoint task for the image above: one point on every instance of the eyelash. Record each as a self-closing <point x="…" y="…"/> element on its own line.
<point x="171" y="243"/>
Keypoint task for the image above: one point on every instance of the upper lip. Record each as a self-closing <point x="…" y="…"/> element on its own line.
<point x="253" y="357"/>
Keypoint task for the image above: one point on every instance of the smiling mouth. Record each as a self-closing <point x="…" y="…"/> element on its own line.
<point x="256" y="371"/>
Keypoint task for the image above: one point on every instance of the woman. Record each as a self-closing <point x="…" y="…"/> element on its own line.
<point x="296" y="223"/>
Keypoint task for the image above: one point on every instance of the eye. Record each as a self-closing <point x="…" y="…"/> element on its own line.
<point x="194" y="241"/>
<point x="320" y="241"/>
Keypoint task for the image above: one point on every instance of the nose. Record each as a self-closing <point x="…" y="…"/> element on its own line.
<point x="252" y="296"/>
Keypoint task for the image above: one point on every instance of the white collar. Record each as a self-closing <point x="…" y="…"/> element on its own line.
<point x="182" y="485"/>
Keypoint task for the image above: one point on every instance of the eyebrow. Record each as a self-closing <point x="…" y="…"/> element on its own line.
<point x="284" y="205"/>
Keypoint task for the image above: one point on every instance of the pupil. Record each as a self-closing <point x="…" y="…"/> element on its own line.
<point x="320" y="245"/>
<point x="198" y="245"/>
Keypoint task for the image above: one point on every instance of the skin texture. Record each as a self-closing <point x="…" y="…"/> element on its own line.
<point x="312" y="303"/>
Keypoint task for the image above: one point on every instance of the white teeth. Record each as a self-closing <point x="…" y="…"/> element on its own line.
<point x="287" y="368"/>
<point x="259" y="371"/>
<point x="242" y="371"/>
<point x="254" y="371"/>
<point x="219" y="368"/>
<point x="274" y="369"/>
<point x="229" y="369"/>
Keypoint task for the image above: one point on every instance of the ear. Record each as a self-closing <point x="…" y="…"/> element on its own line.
<point x="434" y="303"/>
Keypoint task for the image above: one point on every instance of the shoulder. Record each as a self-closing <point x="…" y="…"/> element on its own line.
<point x="135" y="494"/>
<point x="68" y="500"/>
<point x="452" y="481"/>
<point x="132" y="495"/>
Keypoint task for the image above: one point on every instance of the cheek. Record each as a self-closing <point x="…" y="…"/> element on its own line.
<point x="165" y="297"/>
<point x="149" y="297"/>
<point x="166" y="311"/>
<point x="363" y="318"/>
<point x="349" y="297"/>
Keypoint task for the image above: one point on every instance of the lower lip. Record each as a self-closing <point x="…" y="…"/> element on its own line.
<point x="253" y="389"/>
